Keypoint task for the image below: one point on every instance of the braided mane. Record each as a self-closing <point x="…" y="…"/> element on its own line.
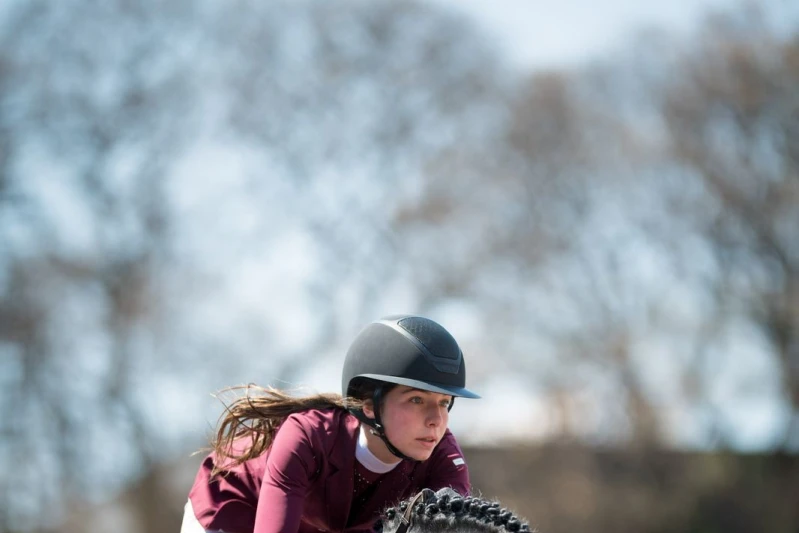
<point x="446" y="511"/>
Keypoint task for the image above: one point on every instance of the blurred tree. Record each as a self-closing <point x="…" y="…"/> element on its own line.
<point x="89" y="125"/>
<point x="347" y="104"/>
<point x="635" y="218"/>
<point x="531" y="230"/>
<point x="733" y="122"/>
<point x="101" y="302"/>
<point x="606" y="227"/>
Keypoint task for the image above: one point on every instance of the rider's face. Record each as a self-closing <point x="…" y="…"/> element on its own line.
<point x="414" y="421"/>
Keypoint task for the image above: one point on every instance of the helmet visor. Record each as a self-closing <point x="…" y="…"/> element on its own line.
<point x="451" y="390"/>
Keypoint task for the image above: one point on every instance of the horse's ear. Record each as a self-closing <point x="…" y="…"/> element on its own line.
<point x="449" y="493"/>
<point x="428" y="496"/>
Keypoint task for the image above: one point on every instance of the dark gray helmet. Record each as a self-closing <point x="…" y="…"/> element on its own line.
<point x="407" y="350"/>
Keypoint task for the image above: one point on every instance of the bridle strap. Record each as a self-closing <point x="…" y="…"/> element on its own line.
<point x="405" y="518"/>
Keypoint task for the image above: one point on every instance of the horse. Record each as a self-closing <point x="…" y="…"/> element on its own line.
<point x="446" y="511"/>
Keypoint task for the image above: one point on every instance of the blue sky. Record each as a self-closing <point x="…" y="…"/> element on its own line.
<point x="541" y="34"/>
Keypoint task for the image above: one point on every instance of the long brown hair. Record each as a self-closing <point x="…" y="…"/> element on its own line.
<point x="260" y="411"/>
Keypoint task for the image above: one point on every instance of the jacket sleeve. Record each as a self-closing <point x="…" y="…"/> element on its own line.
<point x="448" y="467"/>
<point x="288" y="473"/>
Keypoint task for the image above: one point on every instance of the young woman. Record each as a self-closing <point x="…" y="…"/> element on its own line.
<point x="333" y="463"/>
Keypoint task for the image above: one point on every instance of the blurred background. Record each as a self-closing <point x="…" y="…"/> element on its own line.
<point x="601" y="203"/>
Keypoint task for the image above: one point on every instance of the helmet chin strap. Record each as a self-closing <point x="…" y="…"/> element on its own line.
<point x="377" y="425"/>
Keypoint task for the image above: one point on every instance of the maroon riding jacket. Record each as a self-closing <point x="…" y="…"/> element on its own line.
<point x="304" y="482"/>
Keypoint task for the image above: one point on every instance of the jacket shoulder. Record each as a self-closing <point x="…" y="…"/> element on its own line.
<point x="324" y="424"/>
<point x="448" y="445"/>
<point x="447" y="467"/>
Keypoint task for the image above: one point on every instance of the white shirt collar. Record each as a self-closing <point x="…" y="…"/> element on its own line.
<point x="365" y="456"/>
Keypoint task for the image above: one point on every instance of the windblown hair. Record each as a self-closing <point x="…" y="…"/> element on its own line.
<point x="258" y="414"/>
<point x="446" y="511"/>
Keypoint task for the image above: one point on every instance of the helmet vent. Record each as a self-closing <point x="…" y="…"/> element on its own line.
<point x="435" y="338"/>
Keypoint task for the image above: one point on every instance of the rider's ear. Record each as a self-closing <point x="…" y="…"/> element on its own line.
<point x="368" y="408"/>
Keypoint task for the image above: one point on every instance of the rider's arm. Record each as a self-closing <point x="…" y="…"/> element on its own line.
<point x="288" y="473"/>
